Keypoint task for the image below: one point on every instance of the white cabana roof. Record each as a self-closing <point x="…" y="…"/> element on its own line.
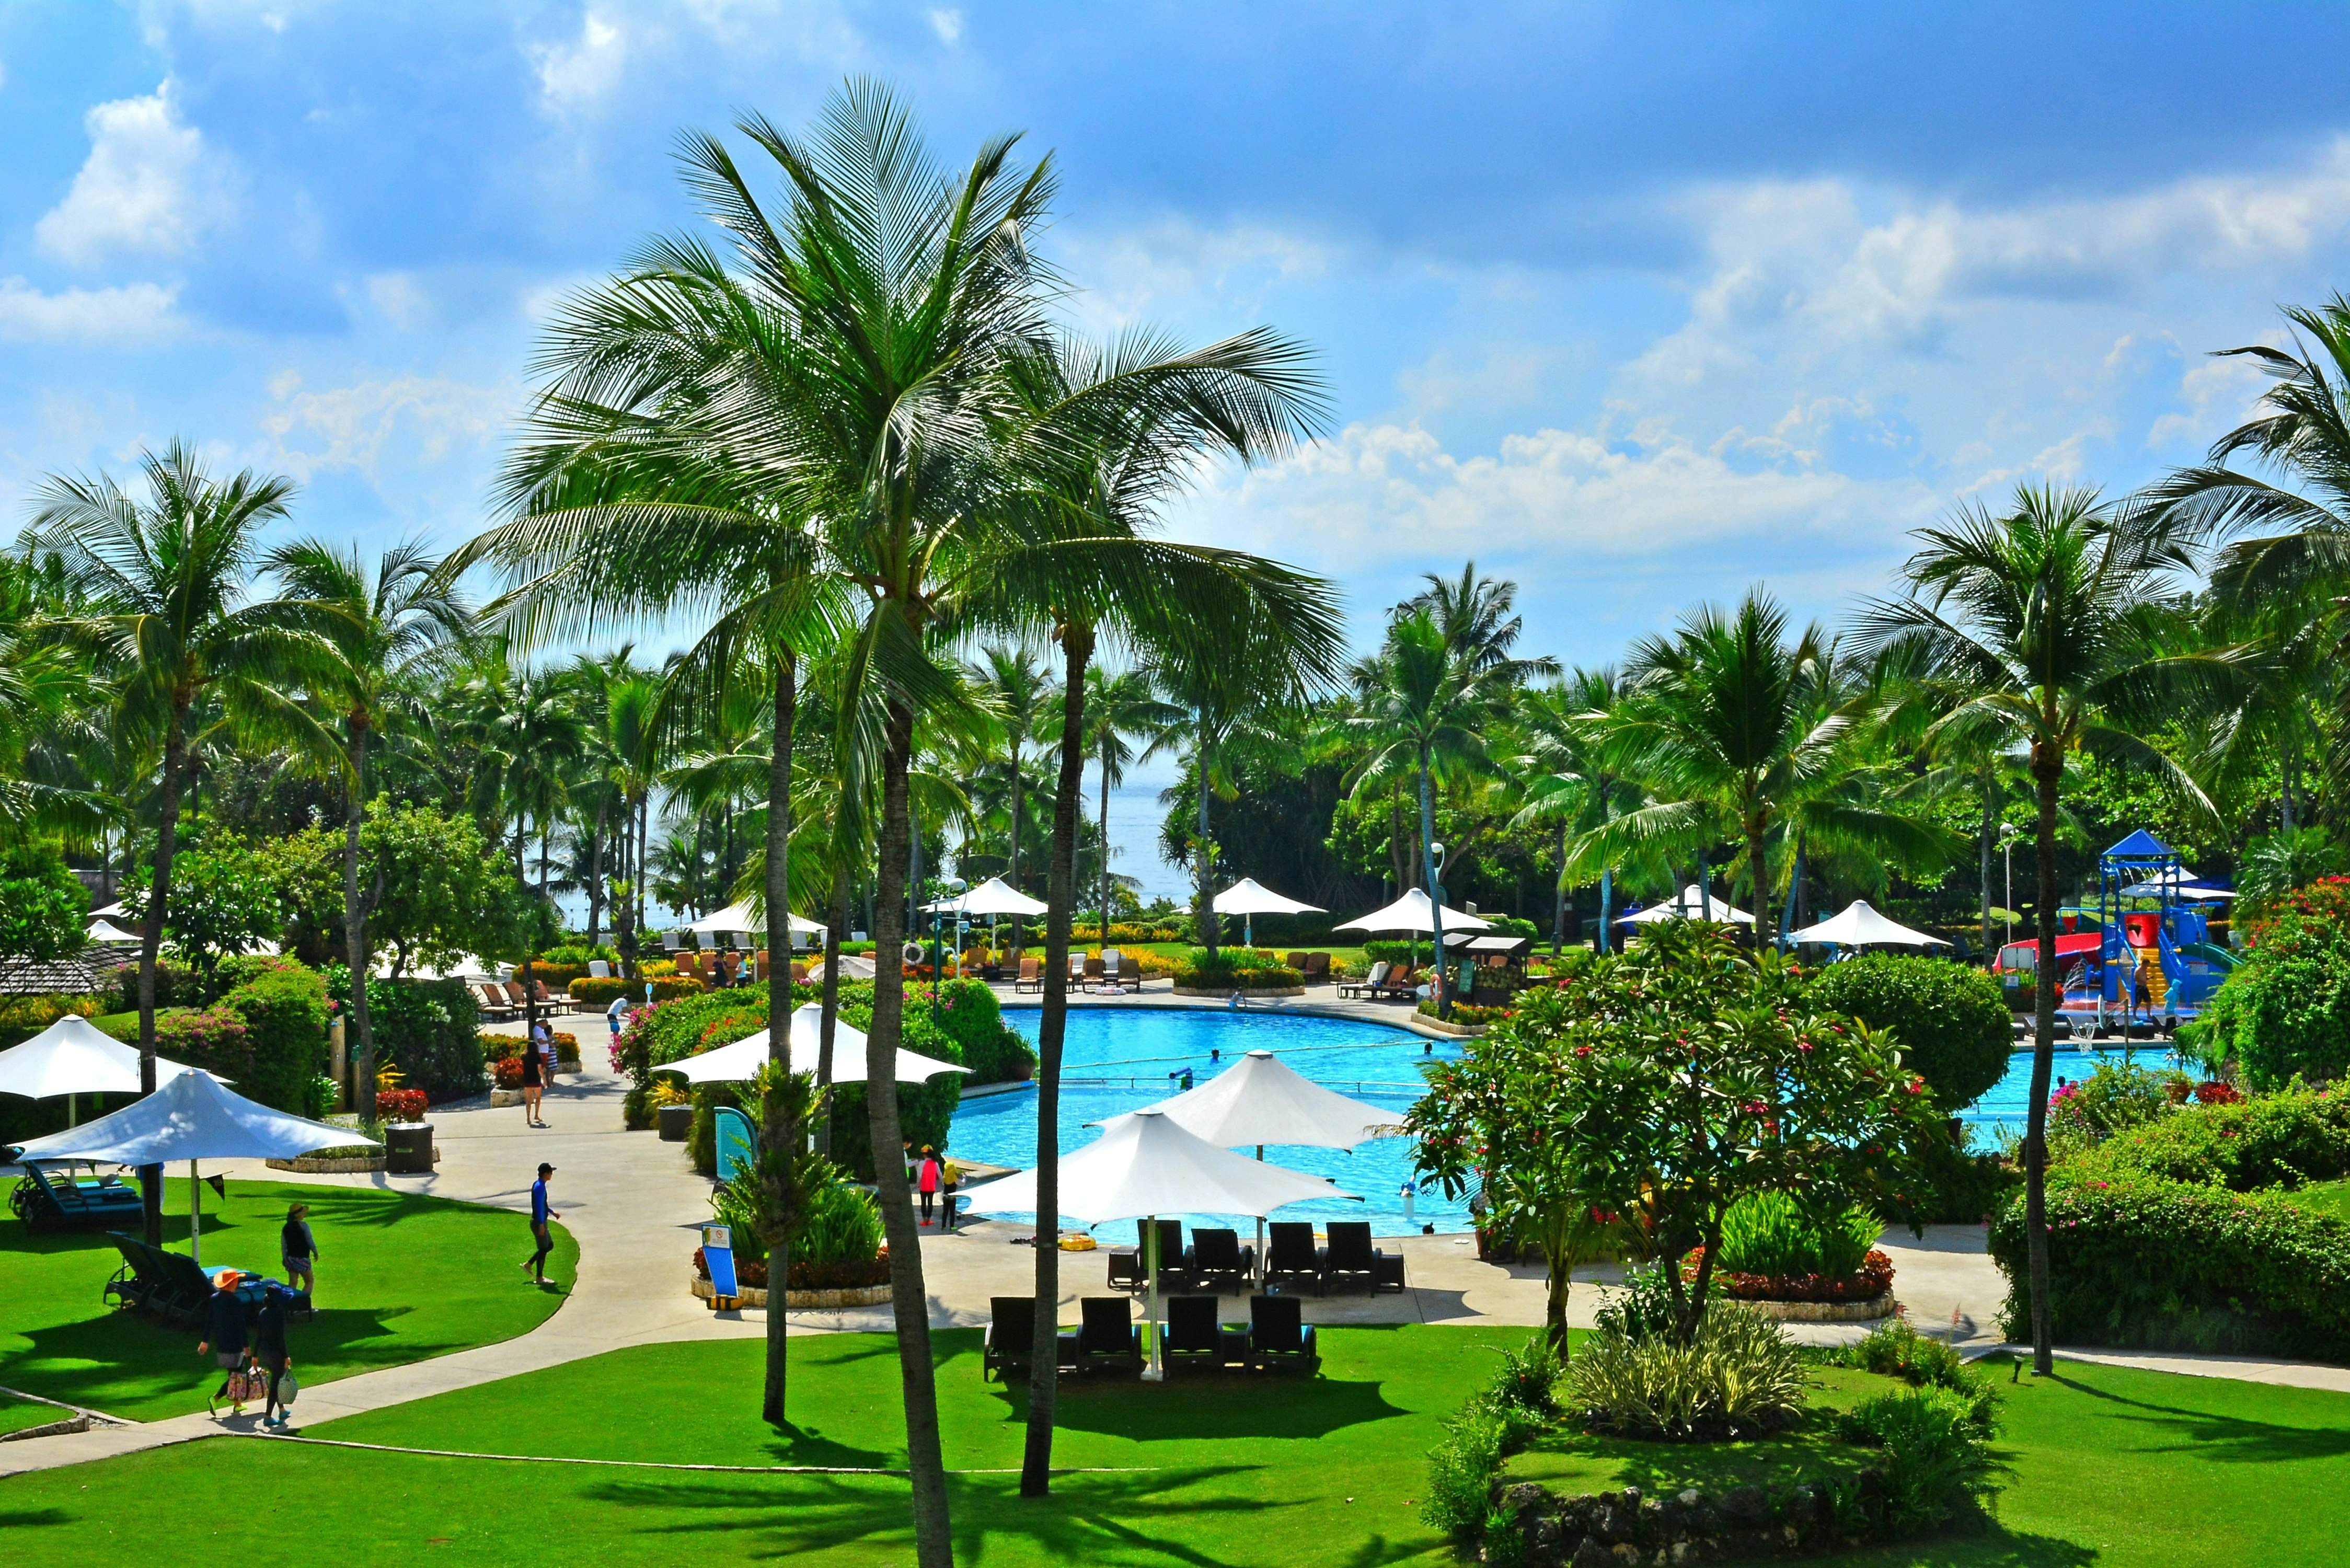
<point x="993" y="897"/>
<point x="1410" y="913"/>
<point x="1259" y="1100"/>
<point x="1143" y="1164"/>
<point x="1862" y="926"/>
<point x="2194" y="892"/>
<point x="107" y="931"/>
<point x="112" y="911"/>
<point x="73" y="1056"/>
<point x="739" y="1063"/>
<point x="193" y="1116"/>
<point x="1673" y="910"/>
<point x="741" y="917"/>
<point x="1250" y="896"/>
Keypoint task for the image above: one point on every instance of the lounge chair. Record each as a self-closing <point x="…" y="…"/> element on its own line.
<point x="1400" y="985"/>
<point x="1030" y="978"/>
<point x="1294" y="961"/>
<point x="146" y="1283"/>
<point x="1095" y="968"/>
<point x="56" y="1200"/>
<point x="495" y="1003"/>
<point x="1114" y="972"/>
<point x="1317" y="969"/>
<point x="1217" y="1262"/>
<point x="1279" y="1335"/>
<point x="758" y="965"/>
<point x="1351" y="1256"/>
<point x="1125" y="1268"/>
<point x="516" y="995"/>
<point x="1191" y="1336"/>
<point x="1107" y="1334"/>
<point x="1369" y="984"/>
<point x="1290" y="1255"/>
<point x="546" y="998"/>
<point x="1012" y="1338"/>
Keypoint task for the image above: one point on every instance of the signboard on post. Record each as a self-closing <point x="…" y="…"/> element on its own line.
<point x="737" y="1141"/>
<point x="718" y="1256"/>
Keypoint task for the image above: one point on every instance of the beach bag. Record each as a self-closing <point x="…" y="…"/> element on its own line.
<point x="240" y="1386"/>
<point x="287" y="1387"/>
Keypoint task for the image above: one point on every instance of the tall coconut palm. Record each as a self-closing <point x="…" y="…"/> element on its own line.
<point x="384" y="627"/>
<point x="1121" y="707"/>
<point x="164" y="579"/>
<point x="2045" y="623"/>
<point x="1013" y="686"/>
<point x="1565" y="777"/>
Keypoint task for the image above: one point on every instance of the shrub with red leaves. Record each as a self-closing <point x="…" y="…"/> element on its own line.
<point x="1876" y="1278"/>
<point x="400" y="1104"/>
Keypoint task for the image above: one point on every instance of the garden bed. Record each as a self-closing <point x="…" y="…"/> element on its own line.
<point x="803" y="1300"/>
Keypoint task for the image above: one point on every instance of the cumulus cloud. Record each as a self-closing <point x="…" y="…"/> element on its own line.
<point x="948" y="26"/>
<point x="135" y="314"/>
<point x="352" y="427"/>
<point x="579" y="72"/>
<point x="150" y="186"/>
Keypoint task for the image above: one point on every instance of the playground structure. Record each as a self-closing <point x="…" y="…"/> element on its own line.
<point x="2142" y="954"/>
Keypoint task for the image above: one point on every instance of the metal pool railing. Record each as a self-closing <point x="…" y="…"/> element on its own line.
<point x="1159" y="1081"/>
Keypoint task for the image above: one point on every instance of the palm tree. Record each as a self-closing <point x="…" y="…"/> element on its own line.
<point x="1012" y="686"/>
<point x="383" y="629"/>
<point x="2046" y="624"/>
<point x="1565" y="777"/>
<point x="1118" y="705"/>
<point x="163" y="581"/>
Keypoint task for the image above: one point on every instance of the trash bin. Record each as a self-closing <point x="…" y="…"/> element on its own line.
<point x="407" y="1148"/>
<point x="676" y="1123"/>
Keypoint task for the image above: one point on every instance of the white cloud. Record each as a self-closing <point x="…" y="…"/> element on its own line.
<point x="1135" y="272"/>
<point x="150" y="186"/>
<point x="948" y="26"/>
<point x="137" y="312"/>
<point x="352" y="426"/>
<point x="578" y="74"/>
<point x="2218" y="394"/>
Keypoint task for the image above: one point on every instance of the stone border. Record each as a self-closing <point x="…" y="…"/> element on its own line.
<point x="1821" y="1312"/>
<point x="308" y="1167"/>
<point x="803" y="1300"/>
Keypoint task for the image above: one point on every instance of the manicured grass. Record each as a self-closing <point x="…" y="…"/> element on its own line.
<point x="2323" y="1198"/>
<point x="400" y="1278"/>
<point x="15" y="1415"/>
<point x="2112" y="1466"/>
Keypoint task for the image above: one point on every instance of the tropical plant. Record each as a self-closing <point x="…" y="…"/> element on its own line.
<point x="1738" y="1375"/>
<point x="2046" y="624"/>
<point x="1119" y="707"/>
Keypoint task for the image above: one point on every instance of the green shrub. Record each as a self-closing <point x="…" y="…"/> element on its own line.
<point x="175" y="986"/>
<point x="2116" y="1096"/>
<point x="1896" y="1349"/>
<point x="284" y="1005"/>
<point x="430" y="1030"/>
<point x="1740" y="1376"/>
<point x="1235" y="969"/>
<point x="215" y="1038"/>
<point x="1960" y="1188"/>
<point x="601" y="994"/>
<point x="843" y="1225"/>
<point x="968" y="1014"/>
<point x="1462" y="1467"/>
<point x="1938" y="1461"/>
<point x="44" y="908"/>
<point x="2284" y="1012"/>
<point x="1768" y="1233"/>
<point x="1387" y="951"/>
<point x="736" y="1205"/>
<point x="2139" y="1261"/>
<point x="1952" y="1023"/>
<point x="1644" y="1308"/>
<point x="2301" y="1136"/>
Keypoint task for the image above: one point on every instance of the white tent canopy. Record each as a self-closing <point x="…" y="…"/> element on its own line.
<point x="993" y="897"/>
<point x="1259" y="1100"/>
<point x="742" y="917"/>
<point x="115" y="911"/>
<point x="1250" y="896"/>
<point x="1686" y="907"/>
<point x="1861" y="926"/>
<point x="2193" y="892"/>
<point x="73" y="1056"/>
<point x="739" y="1063"/>
<point x="107" y="931"/>
<point x="1412" y="913"/>
<point x="193" y="1117"/>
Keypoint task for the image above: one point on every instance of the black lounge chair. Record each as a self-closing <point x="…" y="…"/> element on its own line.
<point x="1351" y="1256"/>
<point x="1290" y="1255"/>
<point x="1217" y="1262"/>
<point x="1192" y="1337"/>
<point x="167" y="1285"/>
<point x="1010" y="1346"/>
<point x="55" y="1200"/>
<point x="1127" y="1269"/>
<point x="1107" y="1334"/>
<point x="1278" y="1335"/>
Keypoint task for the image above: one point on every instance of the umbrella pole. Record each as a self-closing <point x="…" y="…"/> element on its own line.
<point x="73" y="1111"/>
<point x="196" y="1216"/>
<point x="1152" y="1373"/>
<point x="1260" y="1228"/>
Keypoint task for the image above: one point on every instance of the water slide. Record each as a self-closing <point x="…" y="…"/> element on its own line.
<point x="2219" y="958"/>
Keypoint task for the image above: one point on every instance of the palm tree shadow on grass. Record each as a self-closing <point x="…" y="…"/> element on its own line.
<point x="119" y="1358"/>
<point x="2227" y="1440"/>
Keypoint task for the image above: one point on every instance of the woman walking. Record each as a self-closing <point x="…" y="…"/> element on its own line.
<point x="225" y="1342"/>
<point x="297" y="1249"/>
<point x="534" y="1076"/>
<point x="270" y="1356"/>
<point x="928" y="1183"/>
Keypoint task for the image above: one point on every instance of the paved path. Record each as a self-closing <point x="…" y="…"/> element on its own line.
<point x="633" y="1203"/>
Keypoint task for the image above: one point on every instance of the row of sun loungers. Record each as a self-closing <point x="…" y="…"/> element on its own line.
<point x="172" y="1285"/>
<point x="1386" y="982"/>
<point x="54" y="1199"/>
<point x="1106" y="972"/>
<point x="1192" y="1335"/>
<point x="1217" y="1262"/>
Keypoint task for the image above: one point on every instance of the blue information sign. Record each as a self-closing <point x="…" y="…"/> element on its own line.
<point x="718" y="1256"/>
<point x="738" y="1143"/>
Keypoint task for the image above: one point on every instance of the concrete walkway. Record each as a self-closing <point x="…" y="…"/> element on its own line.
<point x="634" y="1204"/>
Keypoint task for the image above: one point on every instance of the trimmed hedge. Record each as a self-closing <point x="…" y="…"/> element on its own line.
<point x="1952" y="1022"/>
<point x="430" y="1030"/>
<point x="2268" y="1141"/>
<point x="284" y="1005"/>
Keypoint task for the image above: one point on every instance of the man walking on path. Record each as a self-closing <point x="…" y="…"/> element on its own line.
<point x="539" y="1215"/>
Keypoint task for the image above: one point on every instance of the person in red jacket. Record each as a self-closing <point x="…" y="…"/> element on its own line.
<point x="927" y="1181"/>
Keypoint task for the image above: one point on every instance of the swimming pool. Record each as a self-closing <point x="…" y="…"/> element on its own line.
<point x="1116" y="1059"/>
<point x="2009" y="1103"/>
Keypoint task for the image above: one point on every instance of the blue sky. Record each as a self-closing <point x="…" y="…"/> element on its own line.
<point x="1636" y="305"/>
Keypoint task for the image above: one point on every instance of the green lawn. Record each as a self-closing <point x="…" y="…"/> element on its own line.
<point x="15" y="1415"/>
<point x="2323" y="1198"/>
<point x="2112" y="1466"/>
<point x="400" y="1278"/>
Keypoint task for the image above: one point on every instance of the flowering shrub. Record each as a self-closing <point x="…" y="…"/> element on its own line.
<point x="1469" y="1012"/>
<point x="506" y="1072"/>
<point x="400" y="1104"/>
<point x="1872" y="1280"/>
<point x="2285" y="1010"/>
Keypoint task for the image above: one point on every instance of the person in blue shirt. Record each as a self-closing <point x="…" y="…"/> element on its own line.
<point x="539" y="1215"/>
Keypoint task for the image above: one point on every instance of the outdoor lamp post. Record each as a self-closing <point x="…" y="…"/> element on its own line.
<point x="1436" y="931"/>
<point x="955" y="889"/>
<point x="2007" y="832"/>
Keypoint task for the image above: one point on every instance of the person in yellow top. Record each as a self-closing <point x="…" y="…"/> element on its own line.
<point x="949" y="1178"/>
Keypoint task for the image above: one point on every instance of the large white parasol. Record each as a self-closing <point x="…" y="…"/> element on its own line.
<point x="1687" y="907"/>
<point x="743" y="917"/>
<point x="73" y="1056"/>
<point x="1412" y="913"/>
<point x="740" y="1061"/>
<point x="993" y="897"/>
<point x="1861" y="926"/>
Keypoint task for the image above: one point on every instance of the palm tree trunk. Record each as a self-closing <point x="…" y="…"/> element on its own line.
<point x="354" y="933"/>
<point x="1989" y="820"/>
<point x="909" y="1303"/>
<point x="782" y="1136"/>
<point x="835" y="919"/>
<point x="1104" y="839"/>
<point x="1558" y="917"/>
<point x="596" y="875"/>
<point x="1203" y="907"/>
<point x="1758" y="877"/>
<point x="1019" y="927"/>
<point x="2046" y="772"/>
<point x="1060" y="893"/>
<point x="1606" y="907"/>
<point x="644" y="859"/>
<point x="1443" y="991"/>
<point x="150" y="942"/>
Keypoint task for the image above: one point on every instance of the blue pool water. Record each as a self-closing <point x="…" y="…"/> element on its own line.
<point x="2009" y="1103"/>
<point x="1119" y="1059"/>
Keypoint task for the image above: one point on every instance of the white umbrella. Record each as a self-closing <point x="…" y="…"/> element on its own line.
<point x="1686" y="907"/>
<point x="1412" y="913"/>
<point x="73" y="1056"/>
<point x="1248" y="898"/>
<point x="993" y="897"/>
<point x="743" y="917"/>
<point x="2192" y="891"/>
<point x="1145" y="1165"/>
<point x="1258" y="1100"/>
<point x="739" y="1063"/>
<point x="193" y="1117"/>
<point x="107" y="931"/>
<point x="1860" y="927"/>
<point x="111" y="911"/>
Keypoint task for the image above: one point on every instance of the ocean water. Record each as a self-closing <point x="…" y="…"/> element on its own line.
<point x="1120" y="1059"/>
